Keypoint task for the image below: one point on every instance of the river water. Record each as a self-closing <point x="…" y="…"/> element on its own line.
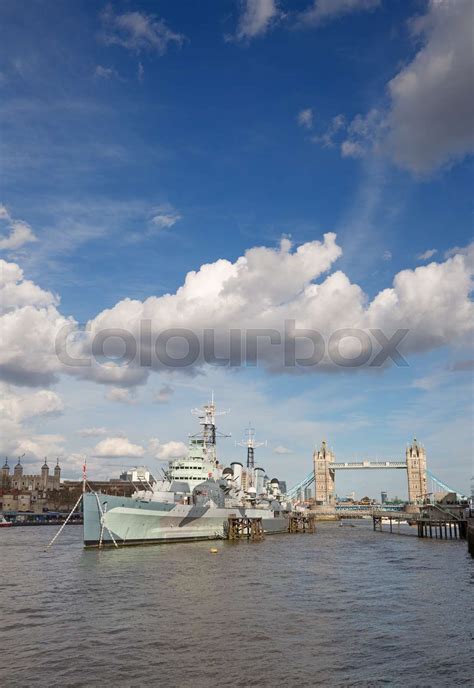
<point x="343" y="607"/>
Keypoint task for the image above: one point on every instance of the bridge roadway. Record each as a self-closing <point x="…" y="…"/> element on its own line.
<point x="369" y="508"/>
<point x="354" y="465"/>
<point x="359" y="465"/>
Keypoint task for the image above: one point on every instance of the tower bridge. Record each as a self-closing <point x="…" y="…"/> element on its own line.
<point x="323" y="475"/>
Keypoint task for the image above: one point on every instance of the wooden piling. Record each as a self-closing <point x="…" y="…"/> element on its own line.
<point x="244" y="528"/>
<point x="301" y="523"/>
<point x="443" y="526"/>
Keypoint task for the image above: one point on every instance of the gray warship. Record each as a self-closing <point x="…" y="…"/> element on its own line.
<point x="193" y="500"/>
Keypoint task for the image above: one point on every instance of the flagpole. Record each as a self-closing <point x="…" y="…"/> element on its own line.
<point x="81" y="496"/>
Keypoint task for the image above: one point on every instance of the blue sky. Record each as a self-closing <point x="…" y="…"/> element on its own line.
<point x="143" y="140"/>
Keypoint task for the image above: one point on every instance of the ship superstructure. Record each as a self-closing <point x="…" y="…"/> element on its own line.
<point x="193" y="500"/>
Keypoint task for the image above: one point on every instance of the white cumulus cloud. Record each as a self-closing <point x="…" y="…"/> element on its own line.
<point x="21" y="412"/>
<point x="266" y="288"/>
<point x="40" y="446"/>
<point x="168" y="450"/>
<point x="118" y="447"/>
<point x="121" y="395"/>
<point x="19" y="232"/>
<point x="432" y="98"/>
<point x="19" y="405"/>
<point x="432" y="302"/>
<point x="428" y="121"/>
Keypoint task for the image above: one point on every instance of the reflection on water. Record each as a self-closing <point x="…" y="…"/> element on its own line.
<point x="343" y="607"/>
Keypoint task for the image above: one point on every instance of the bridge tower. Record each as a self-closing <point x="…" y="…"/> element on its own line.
<point x="324" y="475"/>
<point x="416" y="472"/>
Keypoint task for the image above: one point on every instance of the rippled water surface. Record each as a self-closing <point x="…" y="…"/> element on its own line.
<point x="343" y="607"/>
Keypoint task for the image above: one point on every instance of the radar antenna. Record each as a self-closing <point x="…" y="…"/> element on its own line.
<point x="207" y="417"/>
<point x="251" y="445"/>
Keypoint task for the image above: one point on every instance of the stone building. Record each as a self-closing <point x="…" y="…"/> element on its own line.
<point x="29" y="492"/>
<point x="324" y="475"/>
<point x="41" y="481"/>
<point x="38" y="493"/>
<point x="5" y="475"/>
<point x="416" y="470"/>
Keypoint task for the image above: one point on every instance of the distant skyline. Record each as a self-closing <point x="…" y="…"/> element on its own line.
<point x="232" y="166"/>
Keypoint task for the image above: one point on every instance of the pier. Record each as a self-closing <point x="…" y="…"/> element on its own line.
<point x="301" y="523"/>
<point x="244" y="528"/>
<point x="470" y="535"/>
<point x="431" y="522"/>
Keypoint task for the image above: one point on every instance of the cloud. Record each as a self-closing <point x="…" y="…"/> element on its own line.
<point x="431" y="115"/>
<point x="463" y="365"/>
<point x="118" y="447"/>
<point x="427" y="254"/>
<point x="432" y="302"/>
<point x="459" y="250"/>
<point x="20" y="232"/>
<point x="387" y="255"/>
<point x="29" y="324"/>
<point x="431" y="381"/>
<point x="168" y="450"/>
<point x="121" y="395"/>
<point x="256" y="18"/>
<point x="41" y="445"/>
<point x="34" y="343"/>
<point x="19" y="405"/>
<point x="138" y="32"/>
<point x="20" y="411"/>
<point x="305" y="118"/>
<point x="161" y="218"/>
<point x="92" y="432"/>
<point x="364" y="134"/>
<point x="327" y="137"/>
<point x="165" y="217"/>
<point x="428" y="121"/>
<point x="101" y="72"/>
<point x="163" y="395"/>
<point x="280" y="449"/>
<point x="324" y="11"/>
<point x="355" y="138"/>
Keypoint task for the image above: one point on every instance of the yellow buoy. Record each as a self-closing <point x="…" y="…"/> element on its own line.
<point x="213" y="550"/>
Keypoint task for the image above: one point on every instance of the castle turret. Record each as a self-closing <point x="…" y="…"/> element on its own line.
<point x="416" y="470"/>
<point x="57" y="475"/>
<point x="44" y="474"/>
<point x="18" y="474"/>
<point x="5" y="473"/>
<point x="18" y="470"/>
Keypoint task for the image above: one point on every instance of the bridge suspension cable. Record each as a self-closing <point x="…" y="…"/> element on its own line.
<point x="306" y="482"/>
<point x="436" y="482"/>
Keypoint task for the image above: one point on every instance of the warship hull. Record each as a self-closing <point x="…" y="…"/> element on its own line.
<point x="137" y="522"/>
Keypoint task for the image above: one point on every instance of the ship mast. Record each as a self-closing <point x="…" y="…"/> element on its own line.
<point x="207" y="418"/>
<point x="251" y="445"/>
